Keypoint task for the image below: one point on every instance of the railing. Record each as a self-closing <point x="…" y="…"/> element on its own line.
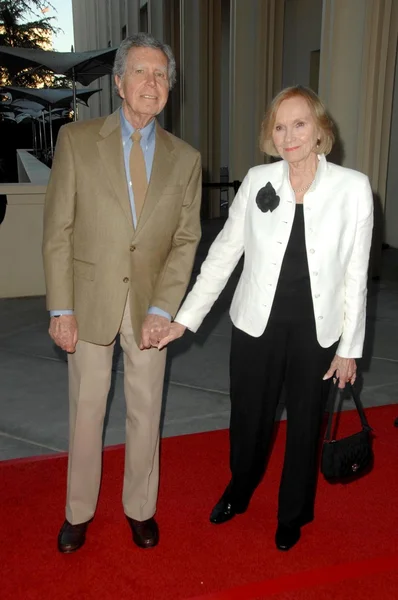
<point x="222" y="210"/>
<point x="228" y="184"/>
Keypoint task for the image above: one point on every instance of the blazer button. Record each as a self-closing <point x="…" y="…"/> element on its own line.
<point x="132" y="248"/>
<point x="126" y="280"/>
<point x="320" y="318"/>
<point x="312" y="250"/>
<point x="317" y="295"/>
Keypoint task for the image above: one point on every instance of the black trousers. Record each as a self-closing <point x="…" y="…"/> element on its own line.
<point x="288" y="354"/>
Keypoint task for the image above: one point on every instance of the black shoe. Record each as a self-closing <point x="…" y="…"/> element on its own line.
<point x="72" y="537"/>
<point x="286" y="537"/>
<point x="224" y="511"/>
<point x="145" y="533"/>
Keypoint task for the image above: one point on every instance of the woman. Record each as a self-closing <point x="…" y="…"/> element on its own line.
<point x="298" y="312"/>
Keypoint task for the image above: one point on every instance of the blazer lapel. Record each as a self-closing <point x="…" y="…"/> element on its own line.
<point x="163" y="162"/>
<point x="111" y="153"/>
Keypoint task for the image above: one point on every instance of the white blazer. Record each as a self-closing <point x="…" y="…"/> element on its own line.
<point x="338" y="216"/>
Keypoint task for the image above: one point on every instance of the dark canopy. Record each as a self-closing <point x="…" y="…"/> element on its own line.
<point x="53" y="97"/>
<point x="84" y="67"/>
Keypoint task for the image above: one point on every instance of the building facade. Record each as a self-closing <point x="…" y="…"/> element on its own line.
<point x="234" y="55"/>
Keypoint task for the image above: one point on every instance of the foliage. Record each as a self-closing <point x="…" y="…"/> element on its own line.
<point x="22" y="27"/>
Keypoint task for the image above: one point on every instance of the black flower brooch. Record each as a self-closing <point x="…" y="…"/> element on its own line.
<point x="267" y="198"/>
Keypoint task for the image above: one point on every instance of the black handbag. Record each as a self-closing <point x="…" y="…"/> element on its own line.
<point x="347" y="458"/>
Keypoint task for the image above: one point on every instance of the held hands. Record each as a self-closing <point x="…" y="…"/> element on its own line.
<point x="154" y="329"/>
<point x="63" y="331"/>
<point x="176" y="331"/>
<point x="157" y="332"/>
<point x="345" y="369"/>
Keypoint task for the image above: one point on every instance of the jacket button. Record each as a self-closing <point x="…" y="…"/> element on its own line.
<point x="317" y="295"/>
<point x="126" y="280"/>
<point x="315" y="273"/>
<point x="320" y="318"/>
<point x="312" y="250"/>
<point x="132" y="248"/>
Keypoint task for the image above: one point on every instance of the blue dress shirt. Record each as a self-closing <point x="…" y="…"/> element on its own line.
<point x="147" y="142"/>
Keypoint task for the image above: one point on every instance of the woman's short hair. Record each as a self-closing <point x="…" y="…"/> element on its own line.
<point x="143" y="40"/>
<point x="323" y="121"/>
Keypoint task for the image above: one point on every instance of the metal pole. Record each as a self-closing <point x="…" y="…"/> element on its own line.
<point x="44" y="133"/>
<point x="74" y="95"/>
<point x="50" y="117"/>
<point x="40" y="134"/>
<point x="34" y="136"/>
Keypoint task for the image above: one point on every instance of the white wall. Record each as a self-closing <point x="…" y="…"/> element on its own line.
<point x="21" y="234"/>
<point x="302" y="34"/>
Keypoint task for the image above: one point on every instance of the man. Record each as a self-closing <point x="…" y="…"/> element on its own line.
<point x="121" y="229"/>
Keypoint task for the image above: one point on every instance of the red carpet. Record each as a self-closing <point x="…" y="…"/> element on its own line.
<point x="351" y="550"/>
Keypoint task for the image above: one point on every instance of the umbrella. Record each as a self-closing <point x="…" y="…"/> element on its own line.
<point x="54" y="97"/>
<point x="84" y="67"/>
<point x="5" y="107"/>
<point x="49" y="98"/>
<point x="23" y="104"/>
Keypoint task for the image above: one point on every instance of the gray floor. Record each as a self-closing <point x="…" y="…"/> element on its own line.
<point x="33" y="372"/>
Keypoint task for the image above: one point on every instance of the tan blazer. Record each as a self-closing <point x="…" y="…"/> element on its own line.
<point x="92" y="254"/>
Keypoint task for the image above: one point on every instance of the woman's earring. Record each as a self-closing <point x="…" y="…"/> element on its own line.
<point x="318" y="142"/>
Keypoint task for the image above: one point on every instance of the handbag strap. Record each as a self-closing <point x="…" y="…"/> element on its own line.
<point x="358" y="404"/>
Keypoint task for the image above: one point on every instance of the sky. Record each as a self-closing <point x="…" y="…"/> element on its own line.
<point x="63" y="41"/>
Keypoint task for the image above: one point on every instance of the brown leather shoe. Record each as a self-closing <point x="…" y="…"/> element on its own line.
<point x="145" y="533"/>
<point x="72" y="537"/>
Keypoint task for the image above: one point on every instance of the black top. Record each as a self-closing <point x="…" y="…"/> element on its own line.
<point x="293" y="299"/>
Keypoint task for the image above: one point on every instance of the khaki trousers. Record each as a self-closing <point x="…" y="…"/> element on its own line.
<point x="90" y="369"/>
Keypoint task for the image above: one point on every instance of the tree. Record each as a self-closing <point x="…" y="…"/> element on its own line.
<point x="21" y="26"/>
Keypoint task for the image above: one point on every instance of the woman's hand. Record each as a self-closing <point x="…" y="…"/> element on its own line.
<point x="176" y="331"/>
<point x="345" y="369"/>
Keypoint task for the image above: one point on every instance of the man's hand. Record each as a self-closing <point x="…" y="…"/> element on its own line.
<point x="176" y="331"/>
<point x="345" y="368"/>
<point x="154" y="328"/>
<point x="63" y="331"/>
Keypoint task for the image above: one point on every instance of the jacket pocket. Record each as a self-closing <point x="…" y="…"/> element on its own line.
<point x="170" y="190"/>
<point x="83" y="269"/>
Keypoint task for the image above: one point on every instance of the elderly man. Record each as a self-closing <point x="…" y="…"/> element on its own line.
<point x="121" y="229"/>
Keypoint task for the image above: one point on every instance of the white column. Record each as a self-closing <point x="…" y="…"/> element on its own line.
<point x="256" y="73"/>
<point x="156" y="19"/>
<point x="133" y="16"/>
<point x="200" y="87"/>
<point x="189" y="81"/>
<point x="358" y="52"/>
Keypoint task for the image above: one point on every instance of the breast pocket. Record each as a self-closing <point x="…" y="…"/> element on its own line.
<point x="83" y="269"/>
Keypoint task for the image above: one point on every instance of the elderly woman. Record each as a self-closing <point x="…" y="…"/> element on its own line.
<point x="304" y="226"/>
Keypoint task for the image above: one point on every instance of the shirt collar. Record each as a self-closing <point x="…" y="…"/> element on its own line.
<point x="147" y="132"/>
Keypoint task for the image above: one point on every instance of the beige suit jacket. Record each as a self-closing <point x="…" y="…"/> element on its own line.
<point x="92" y="254"/>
